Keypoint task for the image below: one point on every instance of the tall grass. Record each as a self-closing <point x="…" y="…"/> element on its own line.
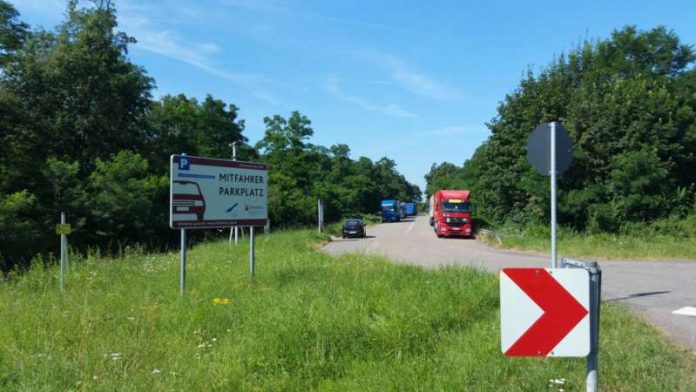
<point x="672" y="238"/>
<point x="307" y="321"/>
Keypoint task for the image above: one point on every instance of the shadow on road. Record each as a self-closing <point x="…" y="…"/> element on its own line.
<point x="404" y="220"/>
<point x="356" y="238"/>
<point x="638" y="295"/>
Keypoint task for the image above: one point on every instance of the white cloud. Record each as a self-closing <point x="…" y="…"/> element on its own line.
<point x="200" y="55"/>
<point x="268" y="98"/>
<point x="208" y="47"/>
<point x="422" y="85"/>
<point x="417" y="83"/>
<point x="332" y="86"/>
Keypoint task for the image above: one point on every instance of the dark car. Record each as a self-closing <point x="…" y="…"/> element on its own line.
<point x="354" y="228"/>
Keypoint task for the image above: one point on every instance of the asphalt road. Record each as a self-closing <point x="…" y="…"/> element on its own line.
<point x="653" y="289"/>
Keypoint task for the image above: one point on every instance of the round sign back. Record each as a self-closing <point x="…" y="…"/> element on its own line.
<point x="539" y="149"/>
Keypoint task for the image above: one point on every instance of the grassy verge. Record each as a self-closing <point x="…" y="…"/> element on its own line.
<point x="636" y="245"/>
<point x="307" y="322"/>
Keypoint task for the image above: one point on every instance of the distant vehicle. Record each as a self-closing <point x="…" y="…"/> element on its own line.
<point x="354" y="228"/>
<point x="402" y="210"/>
<point x="452" y="213"/>
<point x="431" y="211"/>
<point x="411" y="209"/>
<point x="391" y="212"/>
<point x="187" y="199"/>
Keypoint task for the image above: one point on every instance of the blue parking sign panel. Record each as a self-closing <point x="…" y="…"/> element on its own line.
<point x="184" y="163"/>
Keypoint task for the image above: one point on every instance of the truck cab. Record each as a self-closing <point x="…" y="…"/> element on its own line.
<point x="391" y="211"/>
<point x="452" y="213"/>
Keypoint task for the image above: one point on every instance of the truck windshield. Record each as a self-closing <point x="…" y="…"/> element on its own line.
<point x="455" y="207"/>
<point x="388" y="208"/>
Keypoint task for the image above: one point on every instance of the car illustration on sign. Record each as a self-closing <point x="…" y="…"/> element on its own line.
<point x="187" y="198"/>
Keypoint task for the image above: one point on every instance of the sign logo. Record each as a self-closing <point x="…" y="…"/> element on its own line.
<point x="184" y="164"/>
<point x="545" y="312"/>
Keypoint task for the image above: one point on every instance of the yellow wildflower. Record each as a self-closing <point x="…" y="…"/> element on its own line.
<point x="221" y="301"/>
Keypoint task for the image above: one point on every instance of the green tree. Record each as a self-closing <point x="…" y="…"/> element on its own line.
<point x="78" y="95"/>
<point x="615" y="97"/>
<point x="128" y="204"/>
<point x="19" y="230"/>
<point x="12" y="32"/>
<point x="178" y="124"/>
<point x="301" y="173"/>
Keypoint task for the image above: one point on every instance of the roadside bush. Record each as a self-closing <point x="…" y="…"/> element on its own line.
<point x="18" y="230"/>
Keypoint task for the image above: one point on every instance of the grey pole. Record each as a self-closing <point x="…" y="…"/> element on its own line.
<point x="592" y="380"/>
<point x="320" y="215"/>
<point x="251" y="251"/>
<point x="182" y="272"/>
<point x="63" y="254"/>
<point x="595" y="272"/>
<point x="553" y="195"/>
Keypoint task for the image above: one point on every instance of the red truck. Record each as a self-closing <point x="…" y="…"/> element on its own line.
<point x="452" y="213"/>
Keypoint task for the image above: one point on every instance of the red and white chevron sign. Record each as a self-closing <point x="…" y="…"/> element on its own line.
<point x="544" y="312"/>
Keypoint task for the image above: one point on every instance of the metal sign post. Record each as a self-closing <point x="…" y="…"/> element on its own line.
<point x="320" y="214"/>
<point x="552" y="174"/>
<point x="63" y="253"/>
<point x="592" y="377"/>
<point x="182" y="272"/>
<point x="550" y="152"/>
<point x="251" y="252"/>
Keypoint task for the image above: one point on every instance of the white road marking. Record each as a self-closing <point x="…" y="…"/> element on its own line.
<point x="411" y="226"/>
<point x="686" y="311"/>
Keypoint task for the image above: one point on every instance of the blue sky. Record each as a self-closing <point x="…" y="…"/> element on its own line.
<point x="415" y="81"/>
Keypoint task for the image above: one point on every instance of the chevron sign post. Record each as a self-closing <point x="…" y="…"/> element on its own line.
<point x="544" y="312"/>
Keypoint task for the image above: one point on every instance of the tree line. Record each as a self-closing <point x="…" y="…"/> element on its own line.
<point x="629" y="106"/>
<point x="81" y="133"/>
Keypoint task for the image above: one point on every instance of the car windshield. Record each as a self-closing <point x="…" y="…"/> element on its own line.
<point x="187" y="188"/>
<point x="353" y="223"/>
<point x="455" y="207"/>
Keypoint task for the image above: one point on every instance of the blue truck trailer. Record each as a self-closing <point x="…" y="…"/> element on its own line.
<point x="411" y="209"/>
<point x="391" y="211"/>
